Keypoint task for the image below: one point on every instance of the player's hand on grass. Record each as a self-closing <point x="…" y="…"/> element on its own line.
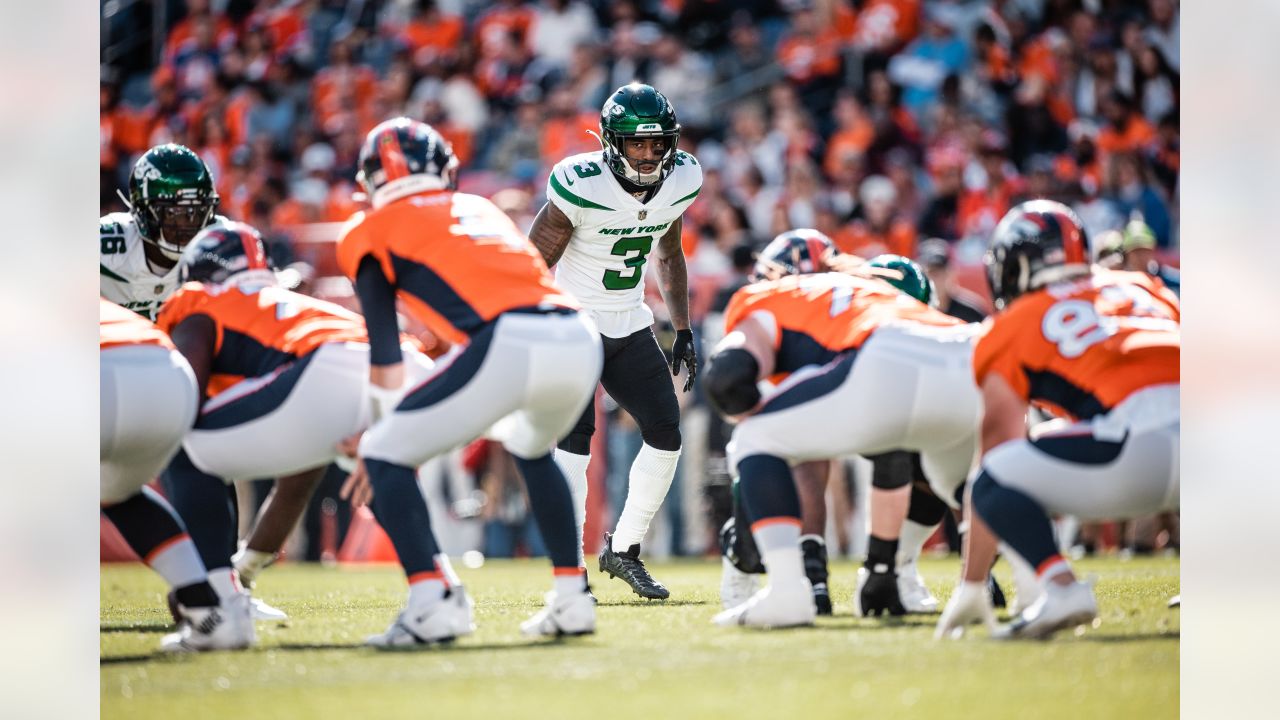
<point x="684" y="350"/>
<point x="968" y="605"/>
<point x="357" y="488"/>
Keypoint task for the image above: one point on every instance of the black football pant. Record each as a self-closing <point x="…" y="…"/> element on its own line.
<point x="637" y="376"/>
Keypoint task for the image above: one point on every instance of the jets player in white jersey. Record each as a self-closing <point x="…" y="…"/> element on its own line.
<point x="607" y="211"/>
<point x="171" y="198"/>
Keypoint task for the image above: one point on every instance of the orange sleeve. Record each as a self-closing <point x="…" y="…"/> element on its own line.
<point x="352" y="246"/>
<point x="996" y="352"/>
<point x="736" y="311"/>
<point x="190" y="299"/>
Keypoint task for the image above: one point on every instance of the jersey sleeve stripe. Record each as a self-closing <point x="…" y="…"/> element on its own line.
<point x="110" y="274"/>
<point x="576" y="200"/>
<point x="690" y="196"/>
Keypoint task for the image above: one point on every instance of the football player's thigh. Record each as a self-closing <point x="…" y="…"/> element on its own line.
<point x="947" y="468"/>
<point x="638" y="377"/>
<point x="804" y="421"/>
<point x="285" y="429"/>
<point x="483" y="384"/>
<point x="1073" y="473"/>
<point x="560" y="391"/>
<point x="148" y="400"/>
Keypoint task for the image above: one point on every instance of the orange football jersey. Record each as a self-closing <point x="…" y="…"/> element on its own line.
<point x="259" y="331"/>
<point x="1081" y="347"/>
<point x="117" y="326"/>
<point x="456" y="260"/>
<point x="822" y="315"/>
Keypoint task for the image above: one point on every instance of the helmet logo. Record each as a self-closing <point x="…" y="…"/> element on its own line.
<point x="649" y="127"/>
<point x="616" y="109"/>
<point x="145" y="172"/>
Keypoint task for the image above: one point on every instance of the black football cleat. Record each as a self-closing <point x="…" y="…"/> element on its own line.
<point x="628" y="566"/>
<point x="815" y="568"/>
<point x="997" y="593"/>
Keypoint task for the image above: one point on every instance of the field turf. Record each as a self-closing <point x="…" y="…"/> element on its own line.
<point x="648" y="660"/>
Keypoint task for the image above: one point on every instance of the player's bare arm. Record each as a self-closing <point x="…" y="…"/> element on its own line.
<point x="673" y="277"/>
<point x="673" y="281"/>
<point x="1004" y="413"/>
<point x="550" y="233"/>
<point x="195" y="337"/>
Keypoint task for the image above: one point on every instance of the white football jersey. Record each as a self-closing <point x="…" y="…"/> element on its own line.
<point x="604" y="263"/>
<point x="126" y="277"/>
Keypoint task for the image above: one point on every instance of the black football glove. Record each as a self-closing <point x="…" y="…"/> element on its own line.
<point x="879" y="594"/>
<point x="684" y="350"/>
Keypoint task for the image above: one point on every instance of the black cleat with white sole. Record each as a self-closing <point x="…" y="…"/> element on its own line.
<point x="628" y="566"/>
<point x="815" y="568"/>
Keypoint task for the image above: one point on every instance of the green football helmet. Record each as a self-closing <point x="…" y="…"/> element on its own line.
<point x="638" y="111"/>
<point x="912" y="282"/>
<point x="171" y="197"/>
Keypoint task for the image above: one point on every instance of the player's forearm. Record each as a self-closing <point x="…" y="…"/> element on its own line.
<point x="673" y="280"/>
<point x="550" y="233"/>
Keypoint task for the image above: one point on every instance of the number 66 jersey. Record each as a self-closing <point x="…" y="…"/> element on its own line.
<point x="604" y="263"/>
<point x="1080" y="347"/>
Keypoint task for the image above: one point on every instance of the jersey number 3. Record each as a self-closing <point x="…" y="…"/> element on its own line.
<point x="629" y="278"/>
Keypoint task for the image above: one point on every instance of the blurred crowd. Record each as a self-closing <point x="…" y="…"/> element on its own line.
<point x="908" y="126"/>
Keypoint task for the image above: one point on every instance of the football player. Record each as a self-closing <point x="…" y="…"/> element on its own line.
<point x="606" y="211"/>
<point x="807" y="251"/>
<point x="148" y="403"/>
<point x="172" y="197"/>
<point x="523" y="365"/>
<point x="1099" y="347"/>
<point x="867" y="346"/>
<point x="281" y="380"/>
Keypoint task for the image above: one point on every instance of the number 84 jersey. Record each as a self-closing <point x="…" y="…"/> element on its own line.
<point x="1081" y="347"/>
<point x="614" y="233"/>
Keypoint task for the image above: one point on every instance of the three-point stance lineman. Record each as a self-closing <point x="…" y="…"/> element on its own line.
<point x="606" y="211"/>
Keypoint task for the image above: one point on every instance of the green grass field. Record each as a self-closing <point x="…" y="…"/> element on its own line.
<point x="650" y="660"/>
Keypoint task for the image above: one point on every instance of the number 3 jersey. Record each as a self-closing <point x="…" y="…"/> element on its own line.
<point x="614" y="233"/>
<point x="126" y="278"/>
<point x="1081" y="347"/>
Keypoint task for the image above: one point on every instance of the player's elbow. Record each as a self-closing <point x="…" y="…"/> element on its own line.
<point x="730" y="381"/>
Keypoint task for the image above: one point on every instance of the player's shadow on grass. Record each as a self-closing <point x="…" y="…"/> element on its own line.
<point x="849" y="622"/>
<point x="650" y="603"/>
<point x="1136" y="637"/>
<point x="446" y="648"/>
<point x="137" y="628"/>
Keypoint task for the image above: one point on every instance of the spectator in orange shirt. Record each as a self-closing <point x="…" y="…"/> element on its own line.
<point x="886" y="26"/>
<point x="880" y="229"/>
<point x="981" y="208"/>
<point x="432" y="34"/>
<point x="224" y="33"/>
<point x="810" y="56"/>
<point x="1125" y="129"/>
<point x="853" y="135"/>
<point x="343" y="85"/>
<point x="506" y="20"/>
<point x="564" y="132"/>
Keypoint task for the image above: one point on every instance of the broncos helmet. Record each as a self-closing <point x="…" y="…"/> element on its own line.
<point x="638" y="111"/>
<point x="171" y="197"/>
<point x="1036" y="243"/>
<point x="912" y="282"/>
<point x="795" y="252"/>
<point x="224" y="251"/>
<point x="402" y="157"/>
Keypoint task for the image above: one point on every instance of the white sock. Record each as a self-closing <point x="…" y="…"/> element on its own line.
<point x="428" y="588"/>
<point x="250" y="562"/>
<point x="911" y="540"/>
<point x="177" y="562"/>
<point x="574" y="467"/>
<point x="225" y="582"/>
<point x="779" y="543"/>
<point x="569" y="581"/>
<point x="651" y="476"/>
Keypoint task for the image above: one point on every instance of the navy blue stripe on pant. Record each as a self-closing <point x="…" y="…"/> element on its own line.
<point x="452" y="377"/>
<point x="826" y="381"/>
<point x="258" y="402"/>
<point x="1015" y="518"/>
